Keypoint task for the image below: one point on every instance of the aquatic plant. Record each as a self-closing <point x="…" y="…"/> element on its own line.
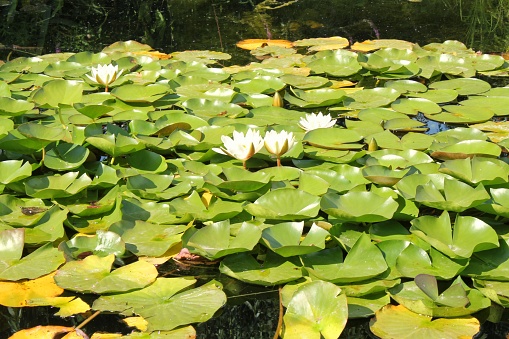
<point x="372" y="215"/>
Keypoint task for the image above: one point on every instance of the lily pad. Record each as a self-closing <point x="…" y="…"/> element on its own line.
<point x="181" y="305"/>
<point x="364" y="261"/>
<point x="92" y="274"/>
<point x="272" y="270"/>
<point x="14" y="267"/>
<point x="316" y="309"/>
<point x="399" y="322"/>
<point x="287" y="239"/>
<point x="347" y="207"/>
<point x="215" y="240"/>
<point x="285" y="204"/>
<point x="333" y="138"/>
<point x="370" y="98"/>
<point x="468" y="236"/>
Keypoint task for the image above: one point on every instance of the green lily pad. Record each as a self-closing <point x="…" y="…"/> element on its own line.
<point x="396" y="158"/>
<point x="102" y="244"/>
<point x="382" y="175"/>
<point x="314" y="97"/>
<point x="413" y="106"/>
<point x="341" y="178"/>
<point x="214" y="210"/>
<point x="58" y="92"/>
<point x="346" y="207"/>
<point x="437" y="95"/>
<point x="490" y="264"/>
<point x="476" y="170"/>
<point x="14" y="267"/>
<point x="93" y="111"/>
<point x="455" y="114"/>
<point x="406" y="86"/>
<point x="115" y="144"/>
<point x="92" y="274"/>
<point x="408" y="260"/>
<point x="498" y="204"/>
<point x="456" y="301"/>
<point x="338" y="63"/>
<point x="370" y="98"/>
<point x="285" y="204"/>
<point x="399" y="322"/>
<point x="273" y="270"/>
<point x="148" y="239"/>
<point x="465" y="149"/>
<point x="140" y="93"/>
<point x="65" y="156"/>
<point x="207" y="108"/>
<point x="495" y="290"/>
<point x="56" y="186"/>
<point x="457" y="196"/>
<point x="264" y="84"/>
<point x="286" y="239"/>
<point x="333" y="138"/>
<point x="182" y="305"/>
<point x="14" y="170"/>
<point x="464" y="86"/>
<point x="433" y="65"/>
<point x="468" y="236"/>
<point x="12" y="108"/>
<point x="304" y="82"/>
<point x="364" y="261"/>
<point x="497" y="105"/>
<point x="316" y="309"/>
<point x="215" y="240"/>
<point x="45" y="133"/>
<point x="147" y="161"/>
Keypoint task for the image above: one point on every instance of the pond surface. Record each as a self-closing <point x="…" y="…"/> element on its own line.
<point x="178" y="25"/>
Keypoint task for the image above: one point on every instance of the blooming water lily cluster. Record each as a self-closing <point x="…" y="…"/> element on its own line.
<point x="244" y="146"/>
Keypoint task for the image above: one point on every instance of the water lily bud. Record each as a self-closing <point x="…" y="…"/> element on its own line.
<point x="372" y="145"/>
<point x="277" y="101"/>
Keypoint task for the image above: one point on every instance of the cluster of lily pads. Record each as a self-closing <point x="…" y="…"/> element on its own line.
<point x="112" y="162"/>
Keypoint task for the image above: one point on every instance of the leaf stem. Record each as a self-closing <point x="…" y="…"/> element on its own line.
<point x="280" y="318"/>
<point x="86" y="321"/>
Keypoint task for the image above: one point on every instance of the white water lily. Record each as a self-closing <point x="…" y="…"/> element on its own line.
<point x="279" y="143"/>
<point x="313" y="121"/>
<point x="241" y="146"/>
<point x="105" y="74"/>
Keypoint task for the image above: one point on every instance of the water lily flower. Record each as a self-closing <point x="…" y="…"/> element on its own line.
<point x="279" y="143"/>
<point x="313" y="121"/>
<point x="105" y="74"/>
<point x="241" y="146"/>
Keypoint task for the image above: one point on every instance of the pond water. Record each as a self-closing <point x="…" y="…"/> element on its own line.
<point x="45" y="26"/>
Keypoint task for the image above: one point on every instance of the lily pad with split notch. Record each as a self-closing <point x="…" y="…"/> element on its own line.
<point x="289" y="238"/>
<point x="269" y="271"/>
<point x="333" y="138"/>
<point x="285" y="204"/>
<point x="363" y="261"/>
<point x="468" y="236"/>
<point x="216" y="240"/>
<point x="359" y="206"/>
<point x="148" y="239"/>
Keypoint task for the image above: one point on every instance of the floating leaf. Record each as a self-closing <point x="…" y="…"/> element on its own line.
<point x="374" y="208"/>
<point x="215" y="240"/>
<point x="468" y="236"/>
<point x="285" y="204"/>
<point x="40" y="262"/>
<point x="92" y="274"/>
<point x="20" y="294"/>
<point x="317" y="309"/>
<point x="180" y="305"/>
<point x="287" y="239"/>
<point x="399" y="322"/>
<point x="273" y="270"/>
<point x="364" y="261"/>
